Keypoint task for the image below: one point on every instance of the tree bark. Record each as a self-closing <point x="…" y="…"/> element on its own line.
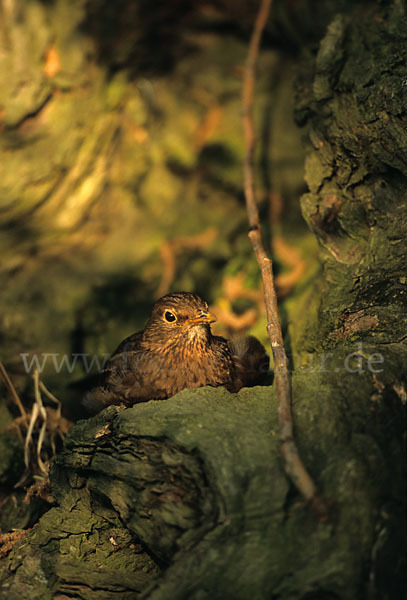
<point x="187" y="498"/>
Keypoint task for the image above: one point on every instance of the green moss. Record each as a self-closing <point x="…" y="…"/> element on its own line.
<point x="243" y="493"/>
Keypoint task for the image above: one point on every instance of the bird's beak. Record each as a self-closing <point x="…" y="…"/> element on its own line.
<point x="203" y="317"/>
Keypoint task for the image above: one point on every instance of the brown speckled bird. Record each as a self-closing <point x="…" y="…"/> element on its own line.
<point x="177" y="350"/>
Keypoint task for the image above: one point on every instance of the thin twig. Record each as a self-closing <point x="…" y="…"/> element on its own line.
<point x="43" y="413"/>
<point x="293" y="464"/>
<point x="9" y="384"/>
<point x="51" y="397"/>
<point x="29" y="434"/>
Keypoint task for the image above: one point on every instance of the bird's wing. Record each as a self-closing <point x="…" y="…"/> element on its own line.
<point x="129" y="377"/>
<point x="129" y="344"/>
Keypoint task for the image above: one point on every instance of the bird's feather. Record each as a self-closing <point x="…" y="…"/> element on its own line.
<point x="170" y="355"/>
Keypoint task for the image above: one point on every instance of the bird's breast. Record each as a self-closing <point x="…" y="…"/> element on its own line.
<point x="193" y="363"/>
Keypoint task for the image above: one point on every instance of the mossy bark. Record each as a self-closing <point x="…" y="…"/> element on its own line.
<point x="195" y="486"/>
<point x="187" y="498"/>
<point x="354" y="105"/>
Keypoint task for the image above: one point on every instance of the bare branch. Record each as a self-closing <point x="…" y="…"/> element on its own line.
<point x="43" y="413"/>
<point x="293" y="464"/>
<point x="9" y="385"/>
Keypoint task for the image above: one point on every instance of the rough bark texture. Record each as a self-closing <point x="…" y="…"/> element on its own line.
<point x="187" y="499"/>
<point x="355" y="110"/>
<point x="198" y="481"/>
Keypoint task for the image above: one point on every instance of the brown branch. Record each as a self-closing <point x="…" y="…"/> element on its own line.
<point x="9" y="385"/>
<point x="233" y="288"/>
<point x="292" y="258"/>
<point x="169" y="250"/>
<point x="236" y="323"/>
<point x="292" y="462"/>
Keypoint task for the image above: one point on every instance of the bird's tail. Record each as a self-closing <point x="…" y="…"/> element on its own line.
<point x="97" y="399"/>
<point x="251" y="359"/>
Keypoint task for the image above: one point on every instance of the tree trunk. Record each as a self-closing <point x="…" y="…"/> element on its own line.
<point x="187" y="498"/>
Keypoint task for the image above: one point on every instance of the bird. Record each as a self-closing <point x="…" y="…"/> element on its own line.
<point x="176" y="350"/>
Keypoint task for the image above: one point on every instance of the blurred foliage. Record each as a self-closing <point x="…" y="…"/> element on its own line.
<point x="121" y="131"/>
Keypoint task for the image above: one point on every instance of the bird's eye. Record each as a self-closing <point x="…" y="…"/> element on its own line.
<point x="169" y="316"/>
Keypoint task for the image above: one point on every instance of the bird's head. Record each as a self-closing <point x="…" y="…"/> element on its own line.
<point x="180" y="315"/>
